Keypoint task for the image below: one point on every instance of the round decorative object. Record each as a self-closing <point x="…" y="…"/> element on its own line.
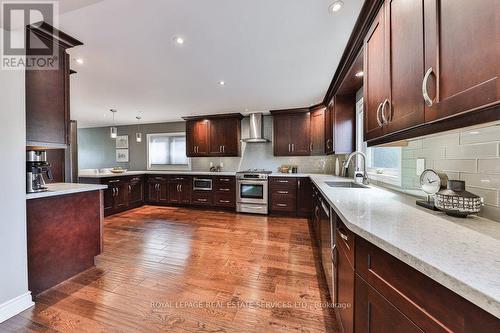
<point x="431" y="181"/>
<point x="456" y="201"/>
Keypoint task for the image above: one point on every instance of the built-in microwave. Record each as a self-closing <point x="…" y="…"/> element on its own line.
<point x="202" y="184"/>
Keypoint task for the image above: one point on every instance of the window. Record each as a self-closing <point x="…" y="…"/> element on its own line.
<point x="167" y="151"/>
<point x="383" y="163"/>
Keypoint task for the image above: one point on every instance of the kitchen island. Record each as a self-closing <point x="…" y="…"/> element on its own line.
<point x="64" y="231"/>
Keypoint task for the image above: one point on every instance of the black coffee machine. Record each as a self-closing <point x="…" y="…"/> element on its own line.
<point x="36" y="166"/>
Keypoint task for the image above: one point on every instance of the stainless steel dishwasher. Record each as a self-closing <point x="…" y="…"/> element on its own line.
<point x="328" y="249"/>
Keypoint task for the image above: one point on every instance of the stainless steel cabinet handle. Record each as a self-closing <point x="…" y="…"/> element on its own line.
<point x="282" y="192"/>
<point x="343" y="236"/>
<point x="427" y="99"/>
<point x="289" y="147"/>
<point x="334" y="248"/>
<point x="114" y="181"/>
<point x="311" y="147"/>
<point x="225" y="189"/>
<point x="113" y="192"/>
<point x="282" y="205"/>
<point x="282" y="181"/>
<point x="224" y="201"/>
<point x="177" y="187"/>
<point x="158" y="178"/>
<point x="202" y="200"/>
<point x="378" y="115"/>
<point x="385" y="119"/>
<point x="293" y="146"/>
<point x="224" y="179"/>
<point x="180" y="188"/>
<point x="298" y="184"/>
<point x="130" y="189"/>
<point x="117" y="191"/>
<point x="223" y="149"/>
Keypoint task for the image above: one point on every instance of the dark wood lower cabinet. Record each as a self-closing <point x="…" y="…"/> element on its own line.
<point x="62" y="242"/>
<point x="290" y="196"/>
<point x="136" y="192"/>
<point x="377" y="292"/>
<point x="375" y="314"/>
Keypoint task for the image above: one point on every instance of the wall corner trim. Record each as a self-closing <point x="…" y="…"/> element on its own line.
<point x="15" y="306"/>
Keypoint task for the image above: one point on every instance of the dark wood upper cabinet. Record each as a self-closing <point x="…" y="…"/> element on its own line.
<point x="404" y="105"/>
<point x="344" y="124"/>
<point x="217" y="135"/>
<point x="375" y="89"/>
<point x="292" y="132"/>
<point x="47" y="91"/>
<point x="340" y="125"/>
<point x="197" y="138"/>
<point x="318" y="131"/>
<point x="329" y="123"/>
<point x="225" y="136"/>
<point x="462" y="51"/>
<point x="430" y="66"/>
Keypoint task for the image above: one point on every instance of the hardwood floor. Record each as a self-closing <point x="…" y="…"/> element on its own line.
<point x="185" y="270"/>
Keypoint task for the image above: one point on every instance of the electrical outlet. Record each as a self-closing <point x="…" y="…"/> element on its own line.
<point x="420" y="166"/>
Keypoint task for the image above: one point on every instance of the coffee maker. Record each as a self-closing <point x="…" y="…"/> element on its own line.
<point x="36" y="167"/>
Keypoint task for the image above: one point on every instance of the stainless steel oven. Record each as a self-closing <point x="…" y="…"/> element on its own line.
<point x="202" y="184"/>
<point x="252" y="192"/>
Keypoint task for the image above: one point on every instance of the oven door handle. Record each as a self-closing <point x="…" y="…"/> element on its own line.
<point x="252" y="182"/>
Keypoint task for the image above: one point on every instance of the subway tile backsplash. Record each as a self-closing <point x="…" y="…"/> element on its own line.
<point x="472" y="155"/>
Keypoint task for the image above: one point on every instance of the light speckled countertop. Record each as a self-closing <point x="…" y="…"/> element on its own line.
<point x="136" y="173"/>
<point x="461" y="254"/>
<point x="63" y="189"/>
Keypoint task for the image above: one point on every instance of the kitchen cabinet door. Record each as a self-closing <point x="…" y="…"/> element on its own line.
<point x="344" y="124"/>
<point x="163" y="192"/>
<point x="304" y="197"/>
<point x="225" y="136"/>
<point x="375" y="86"/>
<point x="404" y="50"/>
<point x="121" y="196"/>
<point x="136" y="191"/>
<point x="301" y="134"/>
<point x="108" y="200"/>
<point x="174" y="191"/>
<point x="375" y="314"/>
<point x="197" y="137"/>
<point x="462" y="48"/>
<point x="345" y="285"/>
<point x="329" y="128"/>
<point x="282" y="127"/>
<point x="185" y="190"/>
<point x="152" y="191"/>
<point x="318" y="132"/>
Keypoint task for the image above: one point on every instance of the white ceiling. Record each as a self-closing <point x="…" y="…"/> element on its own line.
<point x="272" y="54"/>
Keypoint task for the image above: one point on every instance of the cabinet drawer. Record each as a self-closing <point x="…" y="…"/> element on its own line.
<point x="222" y="181"/>
<point x="157" y="179"/>
<point x="283" y="182"/>
<point x="111" y="181"/>
<point x="283" y="204"/>
<point x="202" y="198"/>
<point x="288" y="193"/>
<point x="225" y="200"/>
<point x="431" y="306"/>
<point x="345" y="241"/>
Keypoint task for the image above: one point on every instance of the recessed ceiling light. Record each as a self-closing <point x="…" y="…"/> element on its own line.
<point x="79" y="61"/>
<point x="179" y="40"/>
<point x="222" y="83"/>
<point x="335" y="6"/>
<point x="360" y="74"/>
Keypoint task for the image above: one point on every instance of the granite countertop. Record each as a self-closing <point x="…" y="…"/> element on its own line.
<point x="159" y="172"/>
<point x="63" y="189"/>
<point x="460" y="254"/>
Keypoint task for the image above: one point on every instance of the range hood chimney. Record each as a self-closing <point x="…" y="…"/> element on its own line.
<point x="256" y="125"/>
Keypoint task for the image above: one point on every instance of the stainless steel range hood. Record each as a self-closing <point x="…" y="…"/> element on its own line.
<point x="256" y="129"/>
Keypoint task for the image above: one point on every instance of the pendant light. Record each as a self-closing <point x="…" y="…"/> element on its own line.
<point x="113" y="129"/>
<point x="138" y="135"/>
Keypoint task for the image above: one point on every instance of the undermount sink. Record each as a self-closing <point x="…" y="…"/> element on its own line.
<point x="345" y="184"/>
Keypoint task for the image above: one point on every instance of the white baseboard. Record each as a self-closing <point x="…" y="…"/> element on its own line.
<point x="14" y="306"/>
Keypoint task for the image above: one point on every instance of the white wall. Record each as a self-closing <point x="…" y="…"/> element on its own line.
<point x="14" y="295"/>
